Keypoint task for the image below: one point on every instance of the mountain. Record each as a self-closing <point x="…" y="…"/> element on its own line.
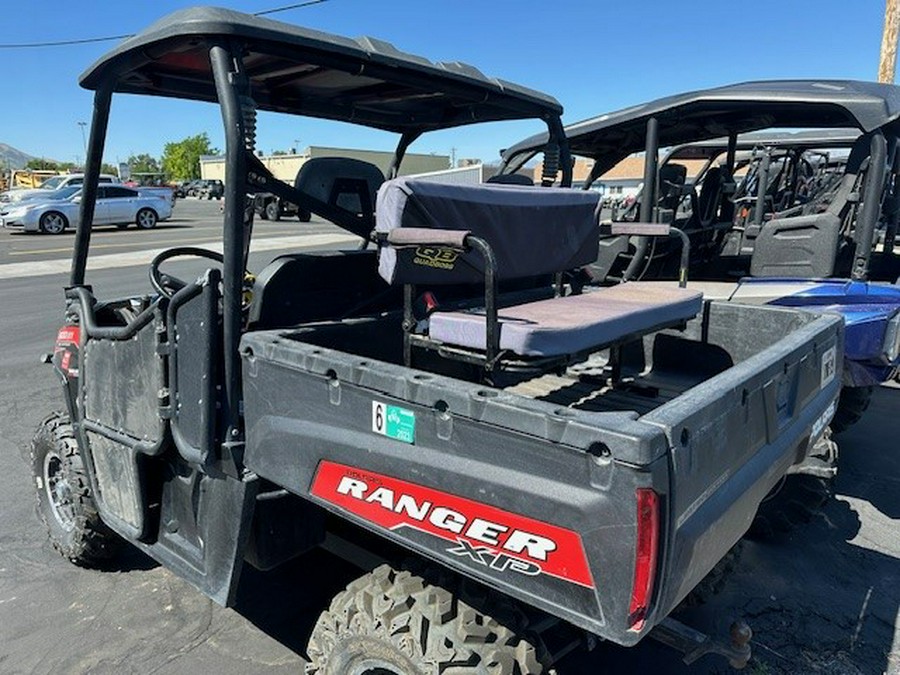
<point x="12" y="158"/>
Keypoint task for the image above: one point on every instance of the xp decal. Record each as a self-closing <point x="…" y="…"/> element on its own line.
<point x="482" y="534"/>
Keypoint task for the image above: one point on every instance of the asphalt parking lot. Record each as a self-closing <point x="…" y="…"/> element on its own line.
<point x="824" y="599"/>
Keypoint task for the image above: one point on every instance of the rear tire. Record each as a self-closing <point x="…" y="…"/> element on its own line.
<point x="65" y="503"/>
<point x="797" y="499"/>
<point x="53" y="222"/>
<point x="304" y="216"/>
<point x="390" y="622"/>
<point x="273" y="211"/>
<point x="146" y="219"/>
<point x="852" y="403"/>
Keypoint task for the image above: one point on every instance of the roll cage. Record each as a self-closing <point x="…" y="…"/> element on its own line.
<point x="246" y="63"/>
<point x="729" y="112"/>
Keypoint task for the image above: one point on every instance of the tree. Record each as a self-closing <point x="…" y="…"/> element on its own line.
<point x="181" y="160"/>
<point x="143" y="163"/>
<point x="36" y="164"/>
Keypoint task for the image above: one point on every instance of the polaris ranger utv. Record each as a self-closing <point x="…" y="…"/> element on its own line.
<point x="834" y="253"/>
<point x="519" y="464"/>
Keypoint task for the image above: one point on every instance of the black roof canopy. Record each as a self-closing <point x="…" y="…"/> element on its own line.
<point x="737" y="108"/>
<point x="306" y="72"/>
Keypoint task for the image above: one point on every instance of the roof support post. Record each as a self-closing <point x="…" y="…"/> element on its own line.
<point x="648" y="194"/>
<point x="227" y="71"/>
<point x="871" y="206"/>
<point x="406" y="140"/>
<point x="102" y="103"/>
<point x="651" y="165"/>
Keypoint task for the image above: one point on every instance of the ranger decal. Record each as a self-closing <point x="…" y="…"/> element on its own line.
<point x="481" y="534"/>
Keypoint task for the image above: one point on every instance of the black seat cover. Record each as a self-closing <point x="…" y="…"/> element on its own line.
<point x="671" y="181"/>
<point x="345" y="184"/>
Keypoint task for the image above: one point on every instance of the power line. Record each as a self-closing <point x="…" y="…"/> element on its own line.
<point x="287" y="7"/>
<point x="65" y="43"/>
<point x="62" y="43"/>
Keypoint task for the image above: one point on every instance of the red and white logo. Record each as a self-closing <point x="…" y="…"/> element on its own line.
<point x="482" y="534"/>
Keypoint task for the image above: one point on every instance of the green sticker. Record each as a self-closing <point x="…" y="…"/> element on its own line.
<point x="394" y="422"/>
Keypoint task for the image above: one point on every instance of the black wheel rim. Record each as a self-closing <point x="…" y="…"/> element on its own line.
<point x="59" y="491"/>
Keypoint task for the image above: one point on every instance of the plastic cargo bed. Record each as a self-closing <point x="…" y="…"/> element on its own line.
<point x="534" y="489"/>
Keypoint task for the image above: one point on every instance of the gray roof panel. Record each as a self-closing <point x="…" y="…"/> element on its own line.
<point x="748" y="106"/>
<point x="306" y="72"/>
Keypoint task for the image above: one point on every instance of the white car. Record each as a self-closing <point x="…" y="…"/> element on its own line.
<point x="52" y="184"/>
<point x="116" y="205"/>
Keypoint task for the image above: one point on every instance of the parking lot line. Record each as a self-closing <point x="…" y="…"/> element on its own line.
<point x="61" y="266"/>
<point x="68" y="249"/>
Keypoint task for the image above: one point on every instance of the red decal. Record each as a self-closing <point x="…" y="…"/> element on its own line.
<point x="68" y="335"/>
<point x="496" y="536"/>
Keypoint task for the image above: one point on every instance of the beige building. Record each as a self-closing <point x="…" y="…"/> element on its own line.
<point x="624" y="179"/>
<point x="285" y="167"/>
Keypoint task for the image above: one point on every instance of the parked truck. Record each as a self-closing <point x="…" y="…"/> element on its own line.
<point x="504" y="455"/>
<point x="269" y="206"/>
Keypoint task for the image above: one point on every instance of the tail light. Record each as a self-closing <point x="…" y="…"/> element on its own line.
<point x="647" y="548"/>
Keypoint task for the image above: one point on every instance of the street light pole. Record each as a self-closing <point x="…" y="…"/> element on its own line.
<point x="83" y="137"/>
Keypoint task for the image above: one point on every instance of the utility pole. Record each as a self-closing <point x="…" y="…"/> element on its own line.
<point x="887" y="66"/>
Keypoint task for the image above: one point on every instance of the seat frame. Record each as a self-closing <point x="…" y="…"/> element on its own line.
<point x="493" y="358"/>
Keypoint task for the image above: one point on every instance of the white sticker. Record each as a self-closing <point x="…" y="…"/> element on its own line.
<point x="394" y="422"/>
<point x="829" y="365"/>
<point x="378" y="417"/>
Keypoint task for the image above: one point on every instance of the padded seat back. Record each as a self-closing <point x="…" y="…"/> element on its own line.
<point x="531" y="231"/>
<point x="315" y="286"/>
<point x="710" y="196"/>
<point x="671" y="182"/>
<point x="803" y="246"/>
<point x="510" y="179"/>
<point x="347" y="184"/>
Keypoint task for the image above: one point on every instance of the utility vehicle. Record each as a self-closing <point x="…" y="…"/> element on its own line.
<point x="272" y="207"/>
<point x="777" y="244"/>
<point x="521" y="466"/>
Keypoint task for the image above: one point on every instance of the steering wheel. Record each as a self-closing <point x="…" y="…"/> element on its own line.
<point x="168" y="285"/>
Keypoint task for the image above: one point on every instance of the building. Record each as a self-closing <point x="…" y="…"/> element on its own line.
<point x="624" y="180"/>
<point x="285" y="167"/>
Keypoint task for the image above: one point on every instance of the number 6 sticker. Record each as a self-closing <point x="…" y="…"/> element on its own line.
<point x="394" y="422"/>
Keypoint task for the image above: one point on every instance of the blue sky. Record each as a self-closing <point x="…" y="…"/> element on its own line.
<point x="593" y="56"/>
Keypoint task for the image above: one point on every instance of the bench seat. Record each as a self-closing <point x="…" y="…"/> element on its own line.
<point x="572" y="324"/>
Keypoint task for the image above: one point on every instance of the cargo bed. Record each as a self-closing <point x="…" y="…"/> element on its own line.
<point x="536" y="481"/>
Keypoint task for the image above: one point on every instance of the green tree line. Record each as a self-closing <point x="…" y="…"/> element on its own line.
<point x="180" y="160"/>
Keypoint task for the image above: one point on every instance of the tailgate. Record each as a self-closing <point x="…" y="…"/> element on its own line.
<point x="734" y="436"/>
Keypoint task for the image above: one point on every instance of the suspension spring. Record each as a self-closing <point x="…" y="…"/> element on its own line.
<point x="551" y="164"/>
<point x="248" y="113"/>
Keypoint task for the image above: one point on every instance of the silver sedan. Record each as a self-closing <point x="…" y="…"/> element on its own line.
<point x="116" y="205"/>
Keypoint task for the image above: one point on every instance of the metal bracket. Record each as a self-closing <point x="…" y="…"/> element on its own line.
<point x="694" y="644"/>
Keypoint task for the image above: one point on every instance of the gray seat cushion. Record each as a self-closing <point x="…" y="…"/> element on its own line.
<point x="574" y="323"/>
